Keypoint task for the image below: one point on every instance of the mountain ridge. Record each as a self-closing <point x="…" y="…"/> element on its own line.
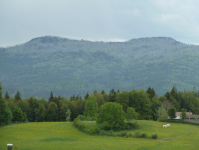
<point x="70" y="67"/>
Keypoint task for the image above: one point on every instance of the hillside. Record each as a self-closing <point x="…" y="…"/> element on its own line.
<point x="68" y="67"/>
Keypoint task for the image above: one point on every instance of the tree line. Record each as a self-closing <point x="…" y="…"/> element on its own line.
<point x="147" y="104"/>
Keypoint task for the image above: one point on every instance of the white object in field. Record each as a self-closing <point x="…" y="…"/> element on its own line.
<point x="164" y="126"/>
<point x="168" y="125"/>
<point x="9" y="144"/>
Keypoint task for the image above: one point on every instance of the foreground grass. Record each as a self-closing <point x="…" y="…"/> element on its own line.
<point x="62" y="135"/>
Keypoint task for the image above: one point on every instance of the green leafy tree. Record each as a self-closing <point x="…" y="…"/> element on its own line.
<point x="62" y="114"/>
<point x="183" y="115"/>
<point x="91" y="107"/>
<point x="18" y="114"/>
<point x="196" y="118"/>
<point x="52" y="112"/>
<point x="172" y="113"/>
<point x="131" y="114"/>
<point x="68" y="114"/>
<point x="123" y="99"/>
<point x="140" y="101"/>
<point x="162" y="113"/>
<point x="111" y="114"/>
<point x="41" y="113"/>
<point x="154" y="105"/>
<point x="99" y="97"/>
<point x="17" y="96"/>
<point x="73" y="106"/>
<point x="106" y="98"/>
<point x="6" y="95"/>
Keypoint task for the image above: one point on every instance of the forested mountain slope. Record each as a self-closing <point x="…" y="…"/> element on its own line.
<point x="68" y="67"/>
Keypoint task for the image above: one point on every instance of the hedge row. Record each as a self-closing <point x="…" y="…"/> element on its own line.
<point x="178" y="121"/>
<point x="98" y="131"/>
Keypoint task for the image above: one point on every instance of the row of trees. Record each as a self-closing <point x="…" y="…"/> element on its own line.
<point x="146" y="104"/>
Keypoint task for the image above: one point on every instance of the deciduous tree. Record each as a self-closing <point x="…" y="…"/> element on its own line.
<point x="111" y="114"/>
<point x="131" y="114"/>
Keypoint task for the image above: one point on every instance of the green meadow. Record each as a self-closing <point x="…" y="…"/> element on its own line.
<point x="63" y="135"/>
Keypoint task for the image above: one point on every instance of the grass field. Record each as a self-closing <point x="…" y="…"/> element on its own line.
<point x="62" y="135"/>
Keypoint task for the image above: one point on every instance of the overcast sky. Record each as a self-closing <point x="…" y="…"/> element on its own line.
<point x="98" y="20"/>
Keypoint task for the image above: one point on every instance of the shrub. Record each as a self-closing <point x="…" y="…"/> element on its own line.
<point x="130" y="134"/>
<point x="102" y="132"/>
<point x="79" y="124"/>
<point x="155" y="136"/>
<point x="131" y="125"/>
<point x="94" y="130"/>
<point x="144" y="135"/>
<point x="81" y="117"/>
<point x="88" y="118"/>
<point x="137" y="134"/>
<point x="123" y="134"/>
<point x="110" y="132"/>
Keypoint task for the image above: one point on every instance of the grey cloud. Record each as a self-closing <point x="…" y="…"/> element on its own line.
<point x="98" y="20"/>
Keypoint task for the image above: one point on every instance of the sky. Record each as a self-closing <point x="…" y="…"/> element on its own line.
<point x="98" y="20"/>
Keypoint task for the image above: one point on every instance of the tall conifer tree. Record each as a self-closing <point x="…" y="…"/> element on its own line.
<point x="6" y="95"/>
<point x="17" y="96"/>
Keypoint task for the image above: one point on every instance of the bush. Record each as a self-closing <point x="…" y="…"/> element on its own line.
<point x="123" y="134"/>
<point x="88" y="118"/>
<point x="102" y="132"/>
<point x="105" y="126"/>
<point x="155" y="136"/>
<point x="94" y="130"/>
<point x="144" y="135"/>
<point x="130" y="134"/>
<point x="81" y="117"/>
<point x="79" y="124"/>
<point x="131" y="125"/>
<point x="137" y="134"/>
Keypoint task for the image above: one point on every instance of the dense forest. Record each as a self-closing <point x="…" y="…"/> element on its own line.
<point x="146" y="104"/>
<point x="68" y="67"/>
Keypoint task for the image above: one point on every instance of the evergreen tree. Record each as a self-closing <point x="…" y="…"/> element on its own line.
<point x="86" y="96"/>
<point x="6" y="95"/>
<point x="51" y="98"/>
<point x="32" y="110"/>
<point x="77" y="97"/>
<point x="59" y="97"/>
<point x="71" y="98"/>
<point x="167" y="95"/>
<point x="102" y="92"/>
<point x="17" y="96"/>
<point x="118" y="91"/>
<point x="5" y="112"/>
<point x="150" y="91"/>
<point x="112" y="96"/>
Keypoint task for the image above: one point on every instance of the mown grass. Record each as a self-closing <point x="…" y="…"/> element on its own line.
<point x="62" y="135"/>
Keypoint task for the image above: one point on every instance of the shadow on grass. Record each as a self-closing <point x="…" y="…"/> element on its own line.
<point x="57" y="139"/>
